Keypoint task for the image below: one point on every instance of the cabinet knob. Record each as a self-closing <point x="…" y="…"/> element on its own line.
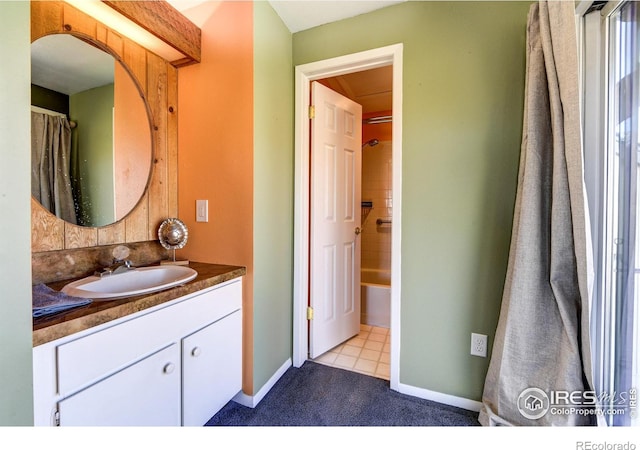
<point x="168" y="368"/>
<point x="196" y="351"/>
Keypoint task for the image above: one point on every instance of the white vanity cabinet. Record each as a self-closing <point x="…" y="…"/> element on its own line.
<point x="206" y="357"/>
<point x="174" y="364"/>
<point x="146" y="393"/>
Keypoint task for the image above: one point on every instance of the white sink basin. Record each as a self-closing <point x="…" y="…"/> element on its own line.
<point x="142" y="280"/>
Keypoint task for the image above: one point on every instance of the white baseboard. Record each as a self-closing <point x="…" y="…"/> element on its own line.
<point x="447" y="399"/>
<point x="252" y="401"/>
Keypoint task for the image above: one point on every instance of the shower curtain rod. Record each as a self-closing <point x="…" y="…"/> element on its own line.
<point x="41" y="110"/>
<point x="378" y="119"/>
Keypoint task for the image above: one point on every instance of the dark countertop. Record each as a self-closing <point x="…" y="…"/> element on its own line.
<point x="49" y="328"/>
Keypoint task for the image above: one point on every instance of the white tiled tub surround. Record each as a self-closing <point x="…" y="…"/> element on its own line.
<point x="366" y="353"/>
<point x="377" y="188"/>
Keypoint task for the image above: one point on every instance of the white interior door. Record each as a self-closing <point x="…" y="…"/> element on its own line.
<point x="336" y="167"/>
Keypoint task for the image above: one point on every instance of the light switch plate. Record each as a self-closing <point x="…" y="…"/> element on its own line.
<point x="202" y="210"/>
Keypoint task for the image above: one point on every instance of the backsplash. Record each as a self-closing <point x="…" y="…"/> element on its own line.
<point x="59" y="265"/>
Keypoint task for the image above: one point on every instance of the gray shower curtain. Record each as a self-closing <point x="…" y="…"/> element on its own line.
<point x="541" y="345"/>
<point x="50" y="158"/>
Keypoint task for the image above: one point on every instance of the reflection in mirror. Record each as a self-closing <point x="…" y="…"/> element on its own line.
<point x="91" y="140"/>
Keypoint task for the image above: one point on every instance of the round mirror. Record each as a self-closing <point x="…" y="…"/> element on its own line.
<point x="91" y="144"/>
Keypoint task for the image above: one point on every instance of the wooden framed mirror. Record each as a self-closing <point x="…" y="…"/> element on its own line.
<point x="157" y="80"/>
<point x="91" y="134"/>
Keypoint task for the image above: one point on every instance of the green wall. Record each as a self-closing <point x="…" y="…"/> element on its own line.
<point x="273" y="193"/>
<point x="93" y="111"/>
<point x="16" y="372"/>
<point x="463" y="90"/>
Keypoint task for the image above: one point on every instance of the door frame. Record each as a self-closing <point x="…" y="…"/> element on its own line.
<point x="370" y="59"/>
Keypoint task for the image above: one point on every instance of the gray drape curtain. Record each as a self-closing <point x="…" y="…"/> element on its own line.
<point x="542" y="339"/>
<point x="50" y="159"/>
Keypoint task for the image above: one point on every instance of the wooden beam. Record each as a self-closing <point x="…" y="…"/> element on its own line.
<point x="167" y="23"/>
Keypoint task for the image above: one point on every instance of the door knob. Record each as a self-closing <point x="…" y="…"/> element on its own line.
<point x="196" y="352"/>
<point x="358" y="231"/>
<point x="168" y="368"/>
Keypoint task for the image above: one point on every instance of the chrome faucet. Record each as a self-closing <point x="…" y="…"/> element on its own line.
<point x="118" y="266"/>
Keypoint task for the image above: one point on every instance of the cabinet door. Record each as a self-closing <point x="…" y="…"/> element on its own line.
<point x="145" y="393"/>
<point x="212" y="369"/>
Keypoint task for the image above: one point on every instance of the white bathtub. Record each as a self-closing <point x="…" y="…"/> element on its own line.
<point x="375" y="301"/>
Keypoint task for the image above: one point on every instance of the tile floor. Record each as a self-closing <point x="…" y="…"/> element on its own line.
<point x="367" y="353"/>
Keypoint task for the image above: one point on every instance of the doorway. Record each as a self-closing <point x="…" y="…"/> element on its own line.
<point x="305" y="74"/>
<point x="363" y="346"/>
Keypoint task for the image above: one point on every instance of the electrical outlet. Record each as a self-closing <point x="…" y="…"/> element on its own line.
<point x="479" y="345"/>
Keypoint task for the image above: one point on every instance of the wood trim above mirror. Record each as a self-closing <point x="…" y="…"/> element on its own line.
<point x="165" y="22"/>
